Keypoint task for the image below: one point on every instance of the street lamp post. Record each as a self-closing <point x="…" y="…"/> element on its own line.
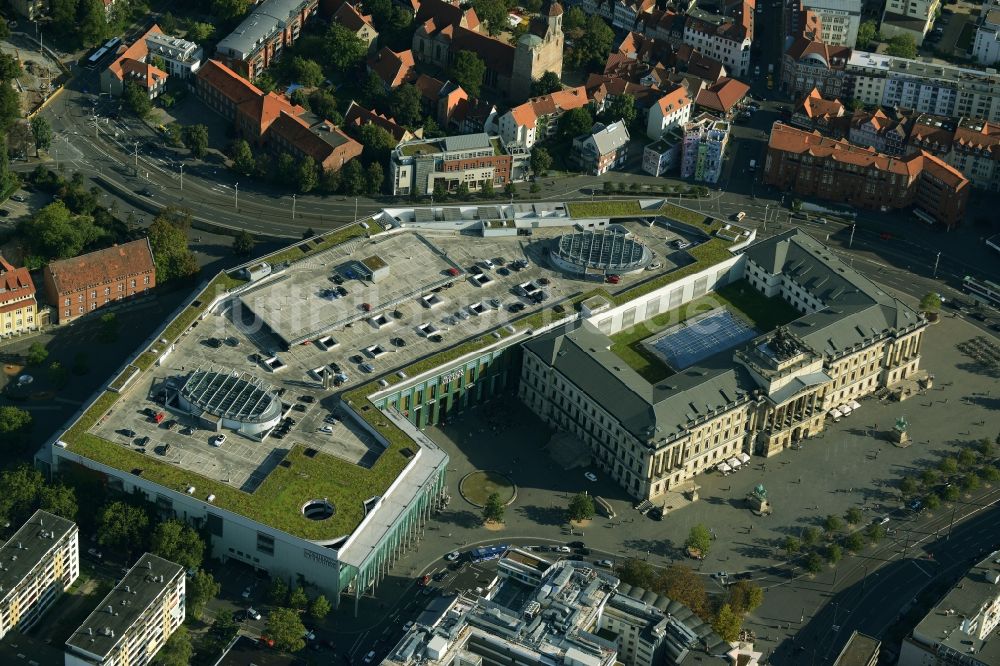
<point x="182" y="175"/>
<point x="850" y="242"/>
<point x="293" y="206"/>
<point x="937" y="259"/>
<point x="236" y="204"/>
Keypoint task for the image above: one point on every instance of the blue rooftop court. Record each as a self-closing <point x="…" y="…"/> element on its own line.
<point x="689" y="342"/>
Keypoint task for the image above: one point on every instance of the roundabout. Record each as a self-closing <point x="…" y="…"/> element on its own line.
<point x="477" y="486"/>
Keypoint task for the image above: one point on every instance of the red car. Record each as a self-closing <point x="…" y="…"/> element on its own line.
<point x="614" y="279"/>
<point x="453" y="271"/>
<point x="367" y="307"/>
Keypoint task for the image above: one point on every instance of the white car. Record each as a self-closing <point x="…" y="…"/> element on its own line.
<point x="452" y="556"/>
<point x="486" y="263"/>
<point x="309" y="635"/>
<point x="253" y="614"/>
<point x="218" y="440"/>
<point x="739" y="216"/>
<point x="607" y="564"/>
<point x="327" y="429"/>
<point x="370" y="657"/>
<point x="246" y="593"/>
<point x="566" y="550"/>
<point x="590" y="476"/>
<point x="407" y="626"/>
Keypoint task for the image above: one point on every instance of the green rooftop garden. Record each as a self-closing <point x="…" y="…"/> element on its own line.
<point x="421" y="148"/>
<point x="761" y="312"/>
<point x="317" y="244"/>
<point x="497" y="147"/>
<point x="609" y="209"/>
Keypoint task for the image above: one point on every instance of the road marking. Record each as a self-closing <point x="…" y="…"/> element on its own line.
<point x="922" y="570"/>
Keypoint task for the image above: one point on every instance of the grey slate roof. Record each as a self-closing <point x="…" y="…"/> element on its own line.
<point x="581" y="353"/>
<point x="610" y="137"/>
<point x="467" y="142"/>
<point x="29" y="545"/>
<point x="262" y="22"/>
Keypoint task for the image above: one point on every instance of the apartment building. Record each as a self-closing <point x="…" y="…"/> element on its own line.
<point x="261" y="37"/>
<point x="961" y="628"/>
<point x="664" y="154"/>
<point x="839" y="20"/>
<point x="134" y="620"/>
<point x="971" y="145"/>
<point x="810" y="164"/>
<point x="817" y="113"/>
<point x="40" y="562"/>
<point x="723" y="38"/>
<point x="763" y="396"/>
<point x="18" y="306"/>
<point x="417" y="167"/>
<point x="78" y="286"/>
<point x="134" y="65"/>
<point x="809" y="64"/>
<point x="860" y="650"/>
<point x="604" y="149"/>
<point x="704" y="147"/>
<point x="986" y="47"/>
<point x="537" y="119"/>
<point x="884" y="130"/>
<point x="670" y="111"/>
<point x="621" y="14"/>
<point x="181" y="58"/>
<point x="937" y="88"/>
<point x="722" y="97"/>
<point x="360" y="24"/>
<point x="914" y="18"/>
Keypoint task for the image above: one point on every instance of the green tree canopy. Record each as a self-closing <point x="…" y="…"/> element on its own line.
<point x="682" y="584"/>
<point x="137" y="100"/>
<point x="353" y="180"/>
<point x="23" y="490"/>
<point x="243" y="243"/>
<point x="177" y="651"/>
<point x="195" y="138"/>
<point x="405" y="105"/>
<point x="493" y="13"/>
<point x="854" y="515"/>
<point x="548" y="83"/>
<point x="36" y="354"/>
<point x="168" y="239"/>
<point x="833" y="523"/>
<point x="55" y="233"/>
<point x="834" y="553"/>
<point x="907" y="485"/>
<point x="375" y="179"/>
<point x="637" y="573"/>
<point x="298" y="599"/>
<point x="574" y="122"/>
<point x="177" y="542"/>
<point x="230" y="9"/>
<point x="323" y="104"/>
<point x="285" y="628"/>
<point x="581" y="507"/>
<point x="10" y="68"/>
<point x="244" y="162"/>
<point x="306" y="177"/>
<point x="494" y="510"/>
<point x="574" y="19"/>
<point x="727" y="624"/>
<point x="594" y="45"/>
<point x="469" y="71"/>
<point x="814" y="563"/>
<point x="15" y="424"/>
<point x="931" y="302"/>
<point x="345" y="50"/>
<point x="700" y="538"/>
<point x="541" y="160"/>
<point x="306" y="72"/>
<point x="622" y="107"/>
<point x="866" y="33"/>
<point x="201" y="588"/>
<point x="319" y="608"/>
<point x="948" y="465"/>
<point x="42" y="132"/>
<point x="810" y="536"/>
<point x="855" y="542"/>
<point x="792" y="545"/>
<point x="199" y="32"/>
<point x="377" y="142"/>
<point x="93" y="22"/>
<point x="122" y="526"/>
<point x="902" y="46"/>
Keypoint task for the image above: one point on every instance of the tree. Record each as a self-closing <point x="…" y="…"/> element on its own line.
<point x="10" y="68"/>
<point x="581" y="507"/>
<point x="230" y="9"/>
<point x="574" y="19"/>
<point x="285" y="628"/>
<point x="285" y="169"/>
<point x="792" y="545"/>
<point x="243" y="243"/>
<point x="902" y="46"/>
<point x="93" y="22"/>
<point x="699" y="538"/>
<point x="345" y="50"/>
<point x="462" y="191"/>
<point x="201" y="588"/>
<point x="727" y="624"/>
<point x="931" y="302"/>
<point x="929" y="477"/>
<point x="866" y="33"/>
<point x="948" y="465"/>
<point x="306" y="72"/>
<point x="593" y="45"/>
<point x="58" y="499"/>
<point x="199" y="32"/>
<point x="907" y="486"/>
<point x="622" y="107"/>
<point x="950" y="493"/>
<point x="854" y="542"/>
<point x="376" y="179"/>
<point x="57" y="374"/>
<point x="573" y="123"/>
<point x="15" y="423"/>
<point x="810" y="536"/>
<point x="177" y="651"/>
<point x="833" y="524"/>
<point x="637" y="573"/>
<point x="323" y="104"/>
<point x="986" y="448"/>
<point x="744" y="597"/>
<point x="682" y="584"/>
<point x="177" y="542"/>
<point x="168" y="238"/>
<point x="36" y="354"/>
<point x="493" y="13"/>
<point x="510" y="190"/>
<point x="486" y="190"/>
<point x="195" y="137"/>
<point x="42" y="132"/>
<point x="541" y="161"/>
<point x="404" y="104"/>
<point x="494" y="510"/>
<point x="814" y="563"/>
<point x="377" y="142"/>
<point x="372" y="91"/>
<point x="10" y="107"/>
<point x="468" y="70"/>
<point x="137" y="100"/>
<point x="966" y="458"/>
<point x="854" y="515"/>
<point x="990" y="474"/>
<point x="298" y="599"/>
<point x="319" y="608"/>
<point x="547" y="84"/>
<point x="277" y="593"/>
<point x="352" y="178"/>
<point x="875" y="533"/>
<point x="834" y="553"/>
<point x="123" y="526"/>
<point x="243" y="159"/>
<point x="55" y="233"/>
<point x="932" y="502"/>
<point x="306" y="177"/>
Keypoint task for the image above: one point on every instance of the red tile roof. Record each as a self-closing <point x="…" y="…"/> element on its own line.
<point x="231" y="85"/>
<point x="349" y="17"/>
<point x="816" y="107"/>
<point x="445" y="13"/>
<point x="429" y="87"/>
<point x="723" y="95"/>
<point x="358" y="116"/>
<point x="102" y="267"/>
<point x="674" y="100"/>
<point x="137" y="52"/>
<point x="17" y="305"/>
<point x="393" y="68"/>
<point x="15" y="283"/>
<point x="265" y="109"/>
<point x="834" y="57"/>
<point x="148" y="75"/>
<point x="498" y="55"/>
<point x="943" y="171"/>
<point x="319" y="143"/>
<point x="791" y="140"/>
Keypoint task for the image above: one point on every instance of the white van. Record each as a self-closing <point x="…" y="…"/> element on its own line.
<point x="753" y="165"/>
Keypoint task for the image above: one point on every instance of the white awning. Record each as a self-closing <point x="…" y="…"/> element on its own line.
<point x="744" y="458"/>
<point x="724" y="468"/>
<point x="855" y="404"/>
<point x="845" y="409"/>
<point x="834" y="413"/>
<point x="734" y="463"/>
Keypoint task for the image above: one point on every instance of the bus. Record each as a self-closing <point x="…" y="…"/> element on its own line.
<point x="484" y="553"/>
<point x="113" y="43"/>
<point x="982" y="290"/>
<point x="97" y="56"/>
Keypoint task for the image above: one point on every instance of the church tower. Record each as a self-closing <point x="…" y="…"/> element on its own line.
<point x="538" y="51"/>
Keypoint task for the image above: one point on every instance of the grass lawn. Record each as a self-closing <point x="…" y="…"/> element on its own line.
<point x="740" y="298"/>
<point x="478" y="486"/>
